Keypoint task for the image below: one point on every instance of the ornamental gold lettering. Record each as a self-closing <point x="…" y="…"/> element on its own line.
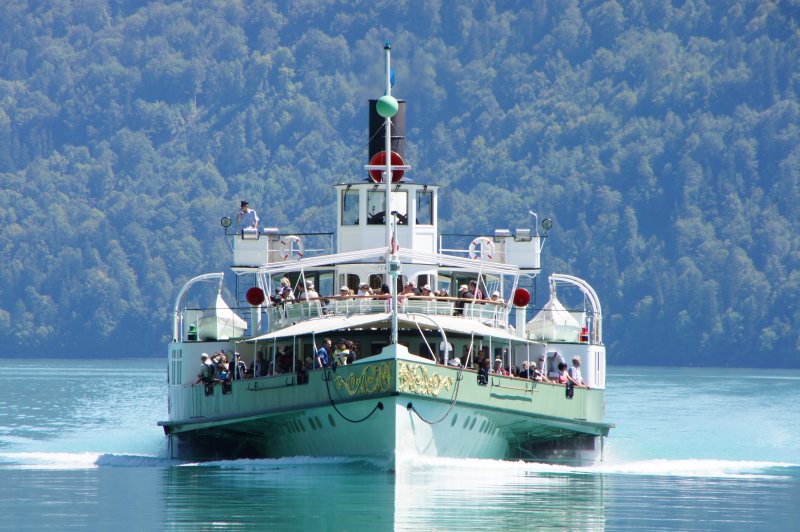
<point x="414" y="378"/>
<point x="373" y="378"/>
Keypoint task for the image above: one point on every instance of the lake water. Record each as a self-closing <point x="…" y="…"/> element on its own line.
<point x="694" y="449"/>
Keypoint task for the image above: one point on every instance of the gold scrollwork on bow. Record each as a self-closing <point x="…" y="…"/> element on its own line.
<point x="414" y="378"/>
<point x="373" y="378"/>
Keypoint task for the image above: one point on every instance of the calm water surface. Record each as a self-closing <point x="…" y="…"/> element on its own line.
<point x="694" y="449"/>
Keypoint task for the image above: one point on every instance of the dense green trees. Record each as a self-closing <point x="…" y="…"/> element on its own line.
<point x="662" y="138"/>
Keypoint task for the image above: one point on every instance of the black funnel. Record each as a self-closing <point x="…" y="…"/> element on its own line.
<point x="377" y="142"/>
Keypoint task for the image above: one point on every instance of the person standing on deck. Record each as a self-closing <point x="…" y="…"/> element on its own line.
<point x="323" y="358"/>
<point x="246" y="218"/>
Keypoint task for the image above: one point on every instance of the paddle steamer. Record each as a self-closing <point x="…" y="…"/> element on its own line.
<point x="412" y="387"/>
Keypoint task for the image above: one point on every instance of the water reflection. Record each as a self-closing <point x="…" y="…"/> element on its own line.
<point x="467" y="495"/>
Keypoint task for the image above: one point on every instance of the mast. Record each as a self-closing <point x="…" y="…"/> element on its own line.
<point x="392" y="260"/>
<point x="387" y="106"/>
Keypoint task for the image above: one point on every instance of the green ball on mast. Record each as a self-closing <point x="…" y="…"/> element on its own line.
<point x="387" y="106"/>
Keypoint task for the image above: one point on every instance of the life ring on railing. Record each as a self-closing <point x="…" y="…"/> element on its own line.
<point x="482" y="246"/>
<point x="289" y="246"/>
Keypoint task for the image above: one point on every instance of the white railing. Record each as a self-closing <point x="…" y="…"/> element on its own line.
<point x="289" y="313"/>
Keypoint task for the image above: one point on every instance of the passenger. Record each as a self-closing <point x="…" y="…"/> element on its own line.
<point x="222" y="373"/>
<point x="259" y="366"/>
<point x="525" y="372"/>
<point x="426" y="291"/>
<point x="341" y="353"/>
<point x="363" y="290"/>
<point x="323" y="358"/>
<point x="497" y="299"/>
<point x="344" y="292"/>
<point x="498" y="368"/>
<point x="554" y="360"/>
<point x="246" y="218"/>
<point x="480" y="359"/>
<point x="483" y="373"/>
<point x="455" y="362"/>
<point x="352" y="351"/>
<point x="563" y="376"/>
<point x="311" y="293"/>
<point x="411" y="289"/>
<point x="575" y="372"/>
<point x="463" y="295"/>
<point x="513" y="370"/>
<point x="284" y="362"/>
<point x="240" y="369"/>
<point x="286" y="289"/>
<point x="476" y="292"/>
<point x="206" y="375"/>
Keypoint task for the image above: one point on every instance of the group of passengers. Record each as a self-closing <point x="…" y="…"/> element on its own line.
<point x="285" y="293"/>
<point x="326" y="356"/>
<point x="218" y="369"/>
<point x="550" y="368"/>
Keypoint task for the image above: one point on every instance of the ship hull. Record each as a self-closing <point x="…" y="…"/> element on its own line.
<point x="386" y="411"/>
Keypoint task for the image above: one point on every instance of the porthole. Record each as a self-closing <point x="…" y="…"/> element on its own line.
<point x="466" y="422"/>
<point x="332" y="422"/>
<point x="453" y="421"/>
<point x="483" y="423"/>
<point x="472" y="425"/>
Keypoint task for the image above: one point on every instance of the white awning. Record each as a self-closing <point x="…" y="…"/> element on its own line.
<point x="323" y="324"/>
<point x="450" y="324"/>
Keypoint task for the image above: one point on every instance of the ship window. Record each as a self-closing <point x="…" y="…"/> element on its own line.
<point x="350" y="207"/>
<point x="375" y="206"/>
<point x="375" y="281"/>
<point x="375" y="202"/>
<point x="424" y="207"/>
<point x="400" y="206"/>
<point x="325" y="283"/>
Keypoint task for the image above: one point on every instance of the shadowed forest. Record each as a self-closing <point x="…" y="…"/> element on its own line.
<point x="662" y="138"/>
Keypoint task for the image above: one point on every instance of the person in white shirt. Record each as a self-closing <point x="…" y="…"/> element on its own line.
<point x="246" y="218"/>
<point x="575" y="372"/>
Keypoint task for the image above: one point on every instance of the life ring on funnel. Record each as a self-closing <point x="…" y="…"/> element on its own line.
<point x="289" y="246"/>
<point x="483" y="247"/>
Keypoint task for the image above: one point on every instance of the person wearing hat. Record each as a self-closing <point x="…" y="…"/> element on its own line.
<point x="426" y="291"/>
<point x="310" y="292"/>
<point x="498" y="368"/>
<point x="341" y="353"/>
<point x="344" y="292"/>
<point x="496" y="298"/>
<point x="363" y="290"/>
<point x="463" y="295"/>
<point x="246" y="218"/>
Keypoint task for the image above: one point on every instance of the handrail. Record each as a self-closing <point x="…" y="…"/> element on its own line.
<point x="178" y="316"/>
<point x="591" y="295"/>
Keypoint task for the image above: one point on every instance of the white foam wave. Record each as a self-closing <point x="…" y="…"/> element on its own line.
<point x="660" y="467"/>
<point x="455" y="467"/>
<point x="292" y="461"/>
<point x="86" y="460"/>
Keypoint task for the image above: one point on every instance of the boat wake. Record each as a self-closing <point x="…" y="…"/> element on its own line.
<point x="698" y="468"/>
<point x="86" y="460"/>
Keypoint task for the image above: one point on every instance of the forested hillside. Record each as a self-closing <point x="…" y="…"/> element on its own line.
<point x="662" y="138"/>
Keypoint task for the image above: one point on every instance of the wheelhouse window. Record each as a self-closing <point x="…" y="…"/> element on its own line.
<point x="424" y="207"/>
<point x="375" y="209"/>
<point x="376" y="199"/>
<point x="349" y="207"/>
